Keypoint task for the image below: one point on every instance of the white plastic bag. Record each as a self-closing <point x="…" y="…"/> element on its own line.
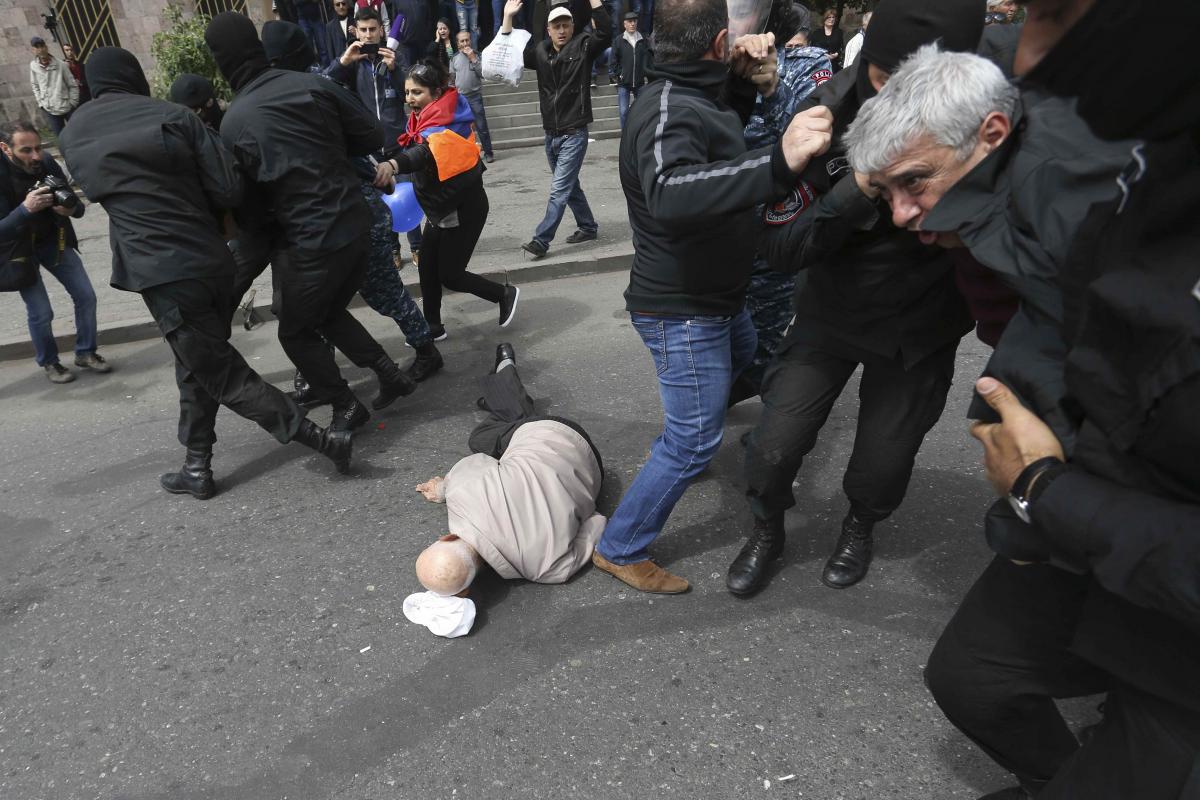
<point x="504" y="58"/>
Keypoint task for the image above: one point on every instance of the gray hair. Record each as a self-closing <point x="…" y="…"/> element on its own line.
<point x="992" y="5"/>
<point x="943" y="95"/>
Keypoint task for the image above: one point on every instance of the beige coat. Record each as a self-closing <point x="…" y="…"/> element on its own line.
<point x="532" y="514"/>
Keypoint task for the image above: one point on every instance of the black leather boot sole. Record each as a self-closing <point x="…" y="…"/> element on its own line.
<point x="748" y="572"/>
<point x="851" y="556"/>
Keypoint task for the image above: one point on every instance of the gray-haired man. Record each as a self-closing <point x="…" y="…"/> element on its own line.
<point x="963" y="161"/>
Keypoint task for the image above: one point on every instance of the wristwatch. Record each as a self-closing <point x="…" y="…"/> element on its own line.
<point x="1030" y="484"/>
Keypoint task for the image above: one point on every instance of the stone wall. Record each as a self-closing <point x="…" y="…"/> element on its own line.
<point x="136" y="22"/>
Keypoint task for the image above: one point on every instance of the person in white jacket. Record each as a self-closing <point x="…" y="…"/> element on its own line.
<point x="854" y="46"/>
<point x="54" y="87"/>
<point x="524" y="503"/>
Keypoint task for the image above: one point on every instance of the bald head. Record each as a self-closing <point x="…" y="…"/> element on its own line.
<point x="447" y="566"/>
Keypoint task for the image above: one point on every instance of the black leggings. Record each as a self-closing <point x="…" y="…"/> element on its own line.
<point x="445" y="253"/>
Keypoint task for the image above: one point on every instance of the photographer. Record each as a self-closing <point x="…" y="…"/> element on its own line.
<point x="35" y="228"/>
<point x="376" y="74"/>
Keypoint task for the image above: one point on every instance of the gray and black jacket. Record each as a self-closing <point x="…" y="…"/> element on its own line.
<point x="691" y="189"/>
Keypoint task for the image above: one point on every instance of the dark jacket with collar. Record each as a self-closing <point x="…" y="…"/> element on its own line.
<point x="383" y="95"/>
<point x="336" y="40"/>
<point x="1018" y="211"/>
<point x="16" y="222"/>
<point x="1128" y="510"/>
<point x="564" y="77"/>
<point x="691" y="187"/>
<point x="869" y="286"/>
<point x="163" y="178"/>
<point x="631" y="62"/>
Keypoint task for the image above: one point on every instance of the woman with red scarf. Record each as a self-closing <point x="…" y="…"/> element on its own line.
<point x="440" y="154"/>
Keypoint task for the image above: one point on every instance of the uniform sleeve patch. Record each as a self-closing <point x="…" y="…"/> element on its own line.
<point x="821" y="75"/>
<point x="787" y="209"/>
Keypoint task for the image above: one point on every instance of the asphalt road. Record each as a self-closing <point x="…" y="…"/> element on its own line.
<point x="159" y="647"/>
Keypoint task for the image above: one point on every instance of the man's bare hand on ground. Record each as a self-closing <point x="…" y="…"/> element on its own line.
<point x="431" y="490"/>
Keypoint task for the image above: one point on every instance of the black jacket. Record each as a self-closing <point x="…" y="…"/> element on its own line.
<point x="336" y="41"/>
<point x="631" y="62"/>
<point x="1128" y="511"/>
<point x="163" y="178"/>
<point x="292" y="133"/>
<point x="870" y="286"/>
<point x="564" y="77"/>
<point x="16" y="223"/>
<point x="691" y="188"/>
<point x="382" y="94"/>
<point x="1018" y="211"/>
<point x="438" y="198"/>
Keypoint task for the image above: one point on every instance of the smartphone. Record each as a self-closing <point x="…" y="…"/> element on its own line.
<point x="369" y="49"/>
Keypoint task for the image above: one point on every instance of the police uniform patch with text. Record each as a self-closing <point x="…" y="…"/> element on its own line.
<point x="821" y="75"/>
<point x="786" y="210"/>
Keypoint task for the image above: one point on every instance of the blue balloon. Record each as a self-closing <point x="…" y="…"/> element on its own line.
<point x="406" y="211"/>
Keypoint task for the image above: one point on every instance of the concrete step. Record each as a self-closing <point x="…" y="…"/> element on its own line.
<point x="500" y="108"/>
<point x="527" y="135"/>
<point x="498" y="121"/>
<point x="527" y="91"/>
<point x="538" y="140"/>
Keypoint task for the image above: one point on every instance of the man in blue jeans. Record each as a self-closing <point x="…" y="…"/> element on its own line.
<point x="692" y="187"/>
<point x="36" y="226"/>
<point x="563" y="63"/>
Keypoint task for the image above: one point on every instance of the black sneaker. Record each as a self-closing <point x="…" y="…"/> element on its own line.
<point x="508" y="305"/>
<point x="582" y="236"/>
<point x="439" y="332"/>
<point x="535" y="249"/>
<point x="57" y="373"/>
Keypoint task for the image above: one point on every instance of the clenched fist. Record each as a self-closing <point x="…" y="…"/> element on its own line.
<point x="807" y="136"/>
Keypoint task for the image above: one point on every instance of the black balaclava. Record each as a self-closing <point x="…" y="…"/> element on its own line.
<point x="115" y="69"/>
<point x="287" y="47"/>
<point x="236" y="48"/>
<point x="1116" y="100"/>
<point x="191" y="90"/>
<point x="900" y="27"/>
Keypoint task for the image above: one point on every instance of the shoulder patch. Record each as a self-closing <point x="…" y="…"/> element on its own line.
<point x="821" y="75"/>
<point x="790" y="207"/>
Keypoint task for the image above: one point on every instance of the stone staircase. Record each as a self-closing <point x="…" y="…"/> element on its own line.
<point x="514" y="120"/>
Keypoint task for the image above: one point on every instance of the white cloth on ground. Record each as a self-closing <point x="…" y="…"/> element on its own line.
<point x="450" y="617"/>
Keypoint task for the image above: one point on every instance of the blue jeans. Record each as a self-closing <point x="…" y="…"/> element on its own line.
<point x="70" y="273"/>
<point x="625" y="96"/>
<point x="468" y="20"/>
<point x="481" y="126"/>
<point x="520" y="21"/>
<point x="314" y="29"/>
<point x="565" y="155"/>
<point x="697" y="359"/>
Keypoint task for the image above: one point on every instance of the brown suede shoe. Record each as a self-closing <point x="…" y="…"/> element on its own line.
<point x="645" y="576"/>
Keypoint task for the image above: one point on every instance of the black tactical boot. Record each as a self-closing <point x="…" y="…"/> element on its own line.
<point x="748" y="572"/>
<point x="303" y="393"/>
<point x="349" y="415"/>
<point x="194" y="478"/>
<point x="393" y="383"/>
<point x="334" y="445"/>
<point x="427" y="362"/>
<point x="852" y="555"/>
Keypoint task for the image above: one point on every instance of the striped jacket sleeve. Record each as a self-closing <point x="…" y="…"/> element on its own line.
<point x="682" y="185"/>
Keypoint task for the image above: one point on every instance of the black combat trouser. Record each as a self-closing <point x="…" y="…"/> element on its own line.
<point x="897" y="407"/>
<point x="193" y="316"/>
<point x="1003" y="660"/>
<point x="313" y="292"/>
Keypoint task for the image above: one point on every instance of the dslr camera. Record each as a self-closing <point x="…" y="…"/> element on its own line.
<point x="63" y="194"/>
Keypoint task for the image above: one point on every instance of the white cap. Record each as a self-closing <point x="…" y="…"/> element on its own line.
<point x="559" y="11"/>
